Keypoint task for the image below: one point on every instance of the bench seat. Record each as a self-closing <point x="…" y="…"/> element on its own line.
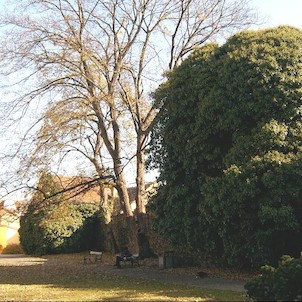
<point x="134" y="259"/>
<point x="93" y="256"/>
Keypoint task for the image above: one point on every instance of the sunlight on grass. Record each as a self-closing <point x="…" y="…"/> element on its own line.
<point x="60" y="278"/>
<point x="9" y="292"/>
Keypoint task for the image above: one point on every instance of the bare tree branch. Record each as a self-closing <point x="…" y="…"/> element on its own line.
<point x="90" y="66"/>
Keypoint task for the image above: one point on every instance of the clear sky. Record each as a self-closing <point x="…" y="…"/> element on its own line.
<point x="279" y="12"/>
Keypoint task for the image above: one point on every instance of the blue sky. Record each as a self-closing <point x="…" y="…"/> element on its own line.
<point x="276" y="12"/>
<point x="280" y="12"/>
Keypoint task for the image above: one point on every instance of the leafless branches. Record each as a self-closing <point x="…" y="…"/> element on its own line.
<point x="90" y="67"/>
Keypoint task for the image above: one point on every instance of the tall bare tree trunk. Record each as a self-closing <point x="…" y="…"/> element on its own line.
<point x="121" y="184"/>
<point x="122" y="190"/>
<point x="140" y="174"/>
<point x="142" y="235"/>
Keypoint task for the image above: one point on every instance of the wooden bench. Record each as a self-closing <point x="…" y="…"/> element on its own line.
<point x="134" y="259"/>
<point x="93" y="257"/>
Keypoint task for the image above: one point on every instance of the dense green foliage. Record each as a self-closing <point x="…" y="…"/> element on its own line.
<point x="283" y="283"/>
<point x="228" y="147"/>
<point x="53" y="225"/>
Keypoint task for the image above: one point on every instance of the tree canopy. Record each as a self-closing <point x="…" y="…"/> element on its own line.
<point x="80" y="73"/>
<point x="228" y="145"/>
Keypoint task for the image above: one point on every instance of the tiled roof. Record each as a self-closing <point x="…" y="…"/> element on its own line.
<point x="80" y="189"/>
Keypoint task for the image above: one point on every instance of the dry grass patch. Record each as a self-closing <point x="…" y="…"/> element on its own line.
<point x="66" y="278"/>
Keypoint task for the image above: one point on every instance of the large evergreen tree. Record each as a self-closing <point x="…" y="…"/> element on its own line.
<point x="228" y="146"/>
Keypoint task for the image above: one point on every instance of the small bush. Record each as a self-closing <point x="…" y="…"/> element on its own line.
<point x="283" y="283"/>
<point x="13" y="249"/>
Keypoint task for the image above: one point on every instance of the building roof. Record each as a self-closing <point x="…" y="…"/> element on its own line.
<point x="132" y="191"/>
<point x="81" y="189"/>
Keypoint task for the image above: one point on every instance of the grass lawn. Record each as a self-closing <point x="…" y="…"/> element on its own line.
<point x="65" y="278"/>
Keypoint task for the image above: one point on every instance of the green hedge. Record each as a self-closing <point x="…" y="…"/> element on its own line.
<point x="61" y="228"/>
<point x="283" y="283"/>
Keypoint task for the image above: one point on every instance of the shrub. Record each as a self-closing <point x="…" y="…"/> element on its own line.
<point x="54" y="223"/>
<point x="62" y="228"/>
<point x="283" y="283"/>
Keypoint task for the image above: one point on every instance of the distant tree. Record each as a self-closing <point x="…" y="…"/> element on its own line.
<point x="53" y="224"/>
<point x="228" y="144"/>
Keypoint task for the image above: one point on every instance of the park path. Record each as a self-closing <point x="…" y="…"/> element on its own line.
<point x="145" y="272"/>
<point x="175" y="277"/>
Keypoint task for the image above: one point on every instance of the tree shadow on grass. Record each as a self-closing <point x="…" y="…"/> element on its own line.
<point x="57" y="274"/>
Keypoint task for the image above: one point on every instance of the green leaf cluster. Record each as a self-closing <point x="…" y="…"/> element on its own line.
<point x="228" y="145"/>
<point x="283" y="283"/>
<point x="54" y="225"/>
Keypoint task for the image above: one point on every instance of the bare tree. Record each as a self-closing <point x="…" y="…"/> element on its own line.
<point x="90" y="67"/>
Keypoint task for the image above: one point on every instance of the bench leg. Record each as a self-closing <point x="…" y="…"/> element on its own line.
<point x="97" y="258"/>
<point x="86" y="260"/>
<point x="133" y="261"/>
